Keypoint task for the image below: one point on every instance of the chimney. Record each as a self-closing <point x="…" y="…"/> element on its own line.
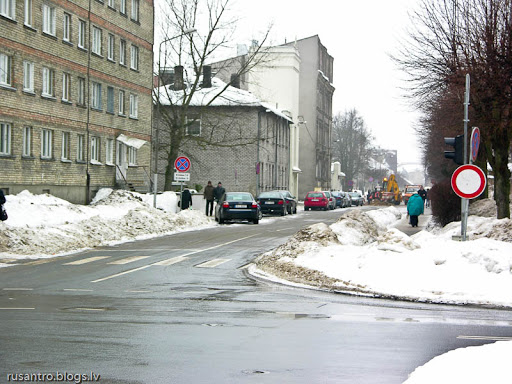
<point x="178" y="78"/>
<point x="235" y="80"/>
<point x="207" y="76"/>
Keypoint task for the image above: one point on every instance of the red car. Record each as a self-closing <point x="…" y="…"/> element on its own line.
<point x="316" y="200"/>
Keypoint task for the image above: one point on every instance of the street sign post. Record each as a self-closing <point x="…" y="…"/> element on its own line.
<point x="181" y="165"/>
<point x="181" y="176"/>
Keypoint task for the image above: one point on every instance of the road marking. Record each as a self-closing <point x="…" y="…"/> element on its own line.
<point x="38" y="262"/>
<point x="172" y="261"/>
<point x="121" y="273"/>
<point x="18" y="289"/>
<point x="16" y="309"/>
<point x="89" y="309"/>
<point x="88" y="260"/>
<point x="212" y="263"/>
<point x="495" y="338"/>
<point x="128" y="260"/>
<point x="77" y="290"/>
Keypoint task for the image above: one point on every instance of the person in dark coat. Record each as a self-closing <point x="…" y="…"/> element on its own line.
<point x="209" y="197"/>
<point x="218" y="191"/>
<point x="186" y="199"/>
<point x="3" y="214"/>
<point x="415" y="208"/>
<point x="422" y="193"/>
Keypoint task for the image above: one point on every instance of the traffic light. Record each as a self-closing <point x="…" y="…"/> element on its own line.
<point x="458" y="144"/>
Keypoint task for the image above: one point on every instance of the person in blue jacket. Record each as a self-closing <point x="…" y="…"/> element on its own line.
<point x="414" y="208"/>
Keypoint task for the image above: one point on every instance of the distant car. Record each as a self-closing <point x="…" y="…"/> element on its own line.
<point x="237" y="206"/>
<point x="339" y="198"/>
<point x="291" y="202"/>
<point x="347" y="201"/>
<point x="316" y="200"/>
<point x="332" y="199"/>
<point x="356" y="198"/>
<point x="273" y="202"/>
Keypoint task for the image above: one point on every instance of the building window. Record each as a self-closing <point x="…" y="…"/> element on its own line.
<point x="122" y="52"/>
<point x="110" y="100"/>
<point x="28" y="13"/>
<point x="96" y="96"/>
<point x="111" y="47"/>
<point x="65" y="146"/>
<point x="49" y="19"/>
<point x="28" y="76"/>
<point x="81" y="34"/>
<point x="66" y="87"/>
<point x="81" y="91"/>
<point x="48" y="82"/>
<point x="193" y="127"/>
<point x="109" y="152"/>
<point x="132" y="156"/>
<point x="95" y="149"/>
<point x="8" y="8"/>
<point x="5" y="69"/>
<point x="122" y="111"/>
<point x="80" y="148"/>
<point x="5" y="139"/>
<point x="46" y="144"/>
<point x="134" y="106"/>
<point x="66" y="30"/>
<point x="122" y="7"/>
<point x="96" y="40"/>
<point x="134" y="62"/>
<point x="135" y="10"/>
<point x="112" y="4"/>
<point x="27" y="141"/>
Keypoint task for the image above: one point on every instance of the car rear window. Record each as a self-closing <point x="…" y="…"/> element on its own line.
<point x="315" y="194"/>
<point x="271" y="195"/>
<point x="238" y="197"/>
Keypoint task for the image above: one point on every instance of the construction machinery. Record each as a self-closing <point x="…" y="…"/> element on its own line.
<point x="409" y="191"/>
<point x="389" y="193"/>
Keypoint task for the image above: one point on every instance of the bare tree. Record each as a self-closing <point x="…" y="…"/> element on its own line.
<point x="195" y="32"/>
<point x="455" y="37"/>
<point x="352" y="143"/>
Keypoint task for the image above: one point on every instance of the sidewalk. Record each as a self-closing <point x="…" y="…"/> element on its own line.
<point x="404" y="226"/>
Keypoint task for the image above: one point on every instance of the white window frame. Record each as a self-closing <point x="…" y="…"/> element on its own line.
<point x="81" y="34"/>
<point x="134" y="106"/>
<point x="134" y="15"/>
<point x="81" y="91"/>
<point x="66" y="87"/>
<point x="96" y="96"/>
<point x="122" y="52"/>
<point x="110" y="100"/>
<point x="121" y="103"/>
<point x="8" y="9"/>
<point x="96" y="40"/>
<point x="48" y="82"/>
<point x="95" y="149"/>
<point x="65" y="146"/>
<point x="28" y="13"/>
<point x="122" y="7"/>
<point x="134" y="57"/>
<point x="49" y="17"/>
<point x="28" y="76"/>
<point x="112" y="4"/>
<point x="5" y="138"/>
<point x="80" y="148"/>
<point x="111" y="47"/>
<point x="46" y="143"/>
<point x="132" y="156"/>
<point x="5" y="69"/>
<point x="66" y="27"/>
<point x="192" y="121"/>
<point x="109" y="151"/>
<point x="27" y="141"/>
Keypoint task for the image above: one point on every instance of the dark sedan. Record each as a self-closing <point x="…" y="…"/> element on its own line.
<point x="237" y="206"/>
<point x="291" y="202"/>
<point x="273" y="202"/>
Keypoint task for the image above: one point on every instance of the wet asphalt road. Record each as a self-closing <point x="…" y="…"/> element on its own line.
<point x="182" y="309"/>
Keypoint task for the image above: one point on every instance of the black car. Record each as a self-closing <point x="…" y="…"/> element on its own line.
<point x="339" y="199"/>
<point x="237" y="206"/>
<point x="291" y="202"/>
<point x="273" y="202"/>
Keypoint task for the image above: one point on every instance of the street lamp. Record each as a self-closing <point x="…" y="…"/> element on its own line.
<point x="157" y="144"/>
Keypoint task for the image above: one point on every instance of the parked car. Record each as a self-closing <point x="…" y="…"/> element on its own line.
<point x="273" y="202"/>
<point x="237" y="206"/>
<point x="356" y="198"/>
<point x="316" y="200"/>
<point x="338" y="197"/>
<point x="291" y="202"/>
<point x="332" y="199"/>
<point x="347" y="201"/>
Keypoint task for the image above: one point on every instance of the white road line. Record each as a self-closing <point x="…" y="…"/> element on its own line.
<point x="212" y="263"/>
<point x="121" y="274"/>
<point x="16" y="309"/>
<point x="18" y="289"/>
<point x="77" y="290"/>
<point x="38" y="262"/>
<point x="85" y="261"/>
<point x="496" y="338"/>
<point x="172" y="261"/>
<point x="128" y="260"/>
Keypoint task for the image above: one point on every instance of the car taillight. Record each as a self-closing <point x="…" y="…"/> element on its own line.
<point x="225" y="204"/>
<point x="280" y="202"/>
<point x="255" y="205"/>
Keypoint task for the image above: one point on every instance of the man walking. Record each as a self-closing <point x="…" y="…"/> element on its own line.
<point x="218" y="191"/>
<point x="209" y="197"/>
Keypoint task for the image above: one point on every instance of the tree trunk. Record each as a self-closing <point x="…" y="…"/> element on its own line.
<point x="169" y="168"/>
<point x="501" y="176"/>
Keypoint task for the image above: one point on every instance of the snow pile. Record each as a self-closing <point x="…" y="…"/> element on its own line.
<point x="43" y="225"/>
<point x="362" y="253"/>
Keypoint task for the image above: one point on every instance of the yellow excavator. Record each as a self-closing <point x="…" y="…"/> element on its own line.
<point x="390" y="193"/>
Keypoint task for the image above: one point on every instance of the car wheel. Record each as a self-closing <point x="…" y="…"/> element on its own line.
<point x="295" y="210"/>
<point x="256" y="221"/>
<point x="221" y="220"/>
<point x="260" y="215"/>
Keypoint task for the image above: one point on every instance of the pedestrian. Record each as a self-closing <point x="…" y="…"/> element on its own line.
<point x="369" y="197"/>
<point x="186" y="199"/>
<point x="427" y="201"/>
<point x="209" y="197"/>
<point x="3" y="213"/>
<point x="422" y="193"/>
<point x="218" y="191"/>
<point x="414" y="208"/>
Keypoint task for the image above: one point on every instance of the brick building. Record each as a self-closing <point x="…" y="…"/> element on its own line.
<point x="75" y="95"/>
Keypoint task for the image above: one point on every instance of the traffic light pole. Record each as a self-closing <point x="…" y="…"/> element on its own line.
<point x="465" y="202"/>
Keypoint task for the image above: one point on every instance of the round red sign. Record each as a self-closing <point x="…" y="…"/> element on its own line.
<point x="182" y="164"/>
<point x="468" y="181"/>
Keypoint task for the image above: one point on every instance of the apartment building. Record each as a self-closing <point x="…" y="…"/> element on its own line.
<point x="75" y="95"/>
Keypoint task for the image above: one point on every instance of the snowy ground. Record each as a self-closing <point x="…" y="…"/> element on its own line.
<point x="362" y="253"/>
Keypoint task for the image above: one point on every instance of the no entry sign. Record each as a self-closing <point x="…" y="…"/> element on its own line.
<point x="468" y="181"/>
<point x="182" y="164"/>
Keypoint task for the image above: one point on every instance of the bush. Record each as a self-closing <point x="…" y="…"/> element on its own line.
<point x="444" y="202"/>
